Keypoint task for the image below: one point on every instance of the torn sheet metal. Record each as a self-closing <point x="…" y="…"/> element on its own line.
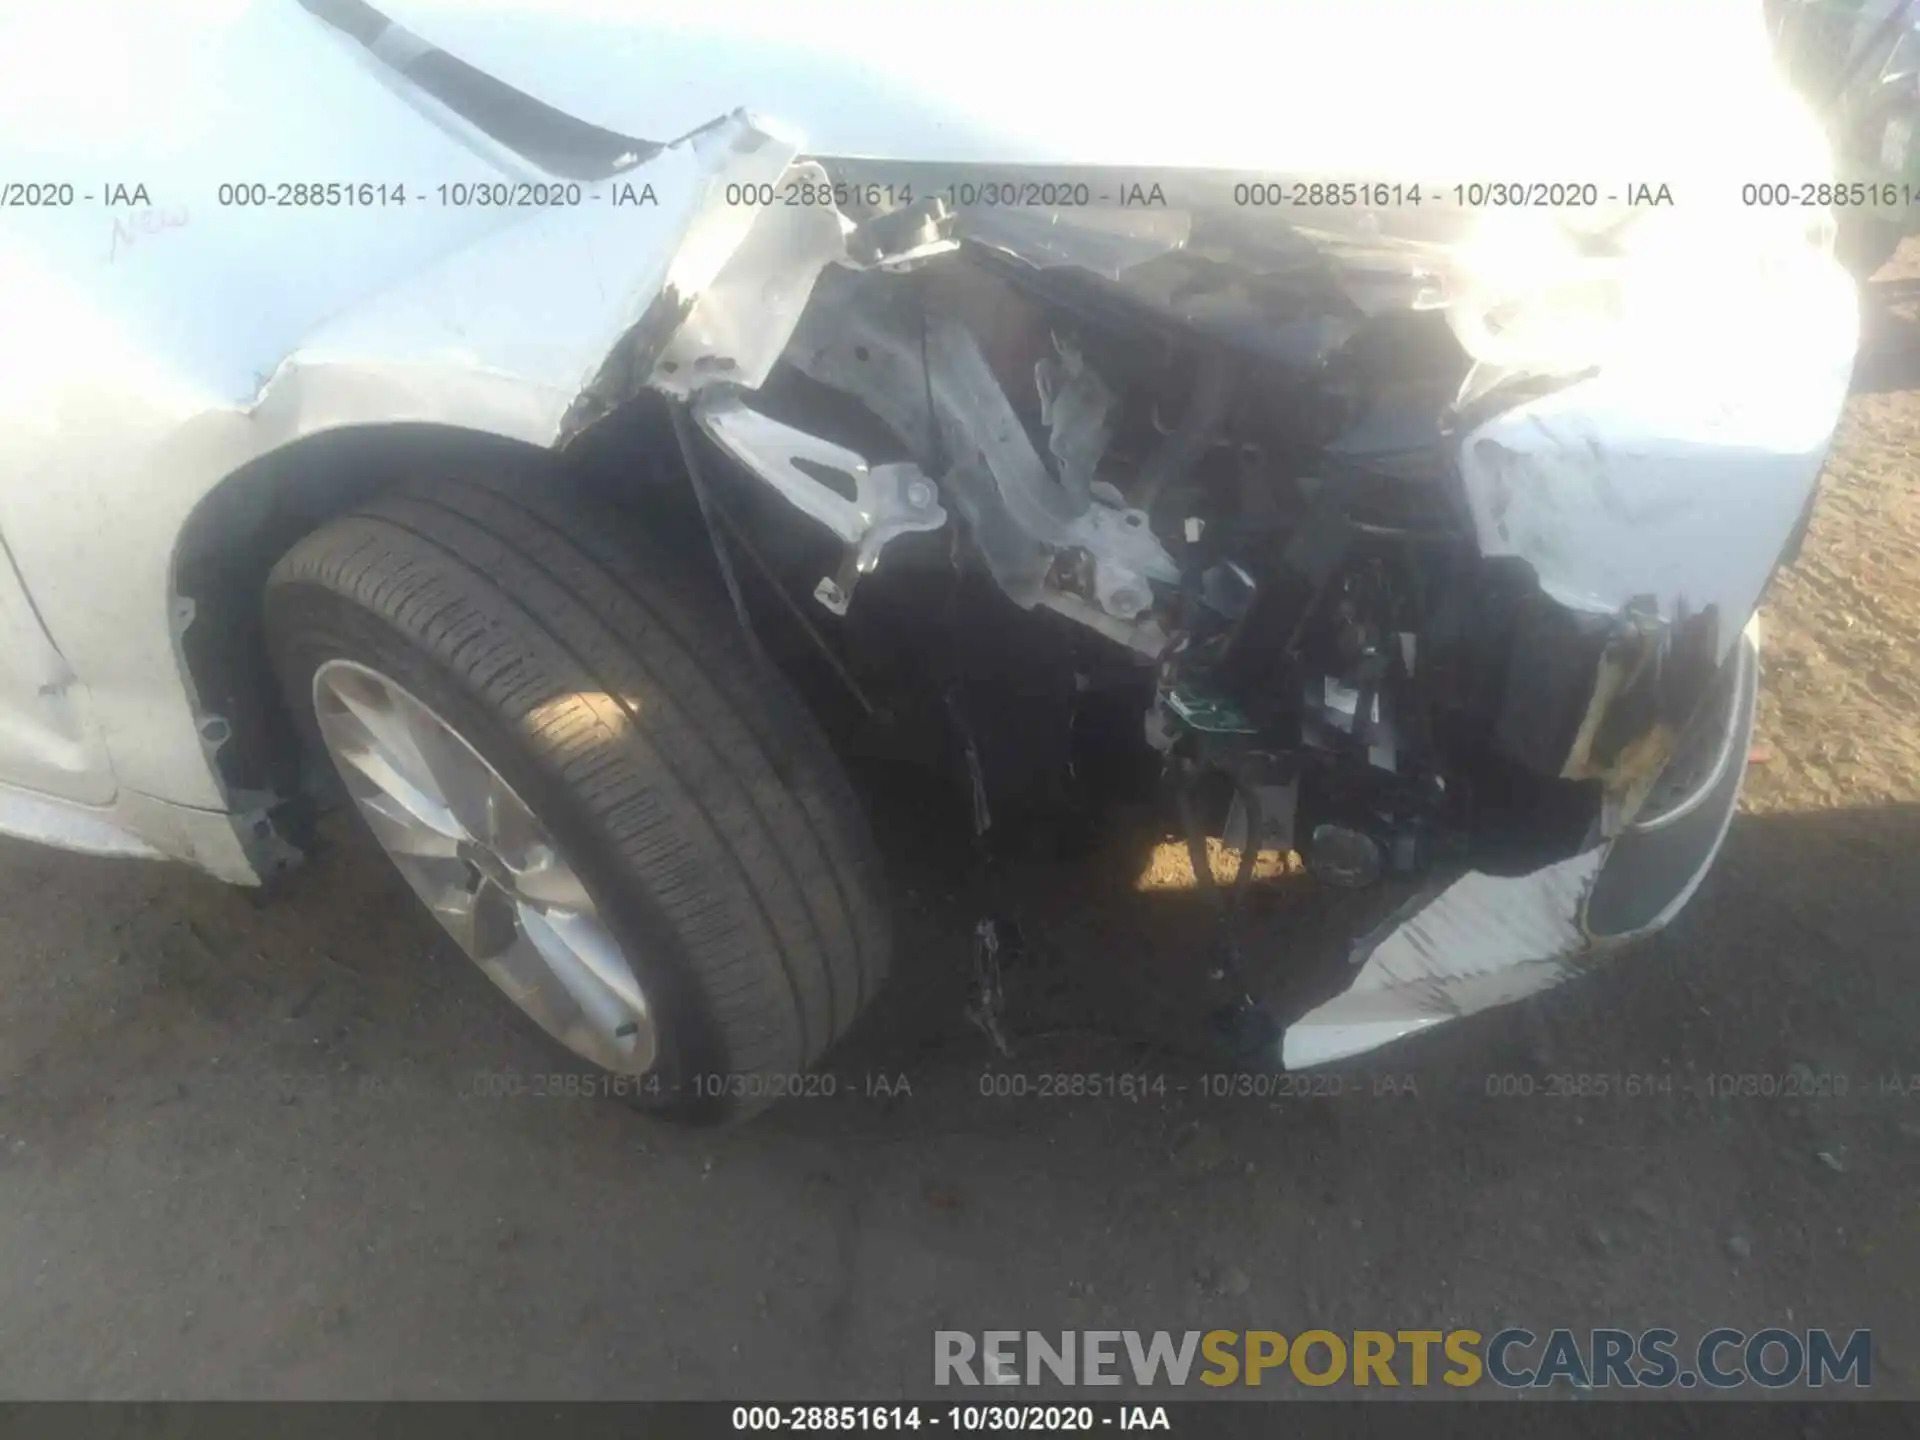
<point x="1487" y="940"/>
<point x="770" y="257"/>
<point x="735" y="283"/>
<point x="927" y="380"/>
<point x="1680" y="470"/>
<point x="605" y="292"/>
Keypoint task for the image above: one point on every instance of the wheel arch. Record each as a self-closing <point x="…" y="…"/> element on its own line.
<point x="232" y="539"/>
<point x="241" y="526"/>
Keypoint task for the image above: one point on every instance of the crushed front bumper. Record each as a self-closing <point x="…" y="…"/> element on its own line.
<point x="1652" y="501"/>
<point x="1486" y="940"/>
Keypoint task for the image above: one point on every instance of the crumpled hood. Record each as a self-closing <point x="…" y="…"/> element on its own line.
<point x="1509" y="90"/>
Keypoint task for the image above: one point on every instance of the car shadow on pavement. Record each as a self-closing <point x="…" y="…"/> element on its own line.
<point x="1803" y="912"/>
<point x="1889" y="355"/>
<point x="309" y="1128"/>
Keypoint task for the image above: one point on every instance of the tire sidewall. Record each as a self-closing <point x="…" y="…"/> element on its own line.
<point x="308" y="625"/>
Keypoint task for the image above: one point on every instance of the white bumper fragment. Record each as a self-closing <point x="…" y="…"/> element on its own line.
<point x="1679" y="471"/>
<point x="1488" y="940"/>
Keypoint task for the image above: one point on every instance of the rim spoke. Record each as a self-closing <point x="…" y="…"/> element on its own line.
<point x="440" y="880"/>
<point x="402" y="831"/>
<point x="481" y="919"/>
<point x="481" y="861"/>
<point x="470" y="789"/>
<point x="397" y="772"/>
<point x="586" y="960"/>
<point x="381" y="715"/>
<point x="587" y="937"/>
<point x="549" y="882"/>
<point x="522" y="973"/>
<point x="509" y="829"/>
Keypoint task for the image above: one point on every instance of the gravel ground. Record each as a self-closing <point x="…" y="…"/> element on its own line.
<point x="260" y="1151"/>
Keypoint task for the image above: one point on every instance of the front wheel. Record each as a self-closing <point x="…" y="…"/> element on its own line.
<point x="557" y="735"/>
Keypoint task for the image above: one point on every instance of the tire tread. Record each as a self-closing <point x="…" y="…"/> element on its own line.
<point x="710" y="784"/>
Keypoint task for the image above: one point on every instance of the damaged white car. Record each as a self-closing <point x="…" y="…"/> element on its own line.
<point x="1380" y="425"/>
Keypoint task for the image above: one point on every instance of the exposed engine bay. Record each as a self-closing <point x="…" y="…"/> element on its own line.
<point x="1230" y="470"/>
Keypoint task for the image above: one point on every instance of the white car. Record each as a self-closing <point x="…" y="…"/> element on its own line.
<point x="1380" y="422"/>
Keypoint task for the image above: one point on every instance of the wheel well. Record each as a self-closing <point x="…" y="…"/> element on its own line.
<point x="253" y="517"/>
<point x="234" y="537"/>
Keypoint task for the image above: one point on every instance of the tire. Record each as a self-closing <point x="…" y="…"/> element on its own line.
<point x="610" y="689"/>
